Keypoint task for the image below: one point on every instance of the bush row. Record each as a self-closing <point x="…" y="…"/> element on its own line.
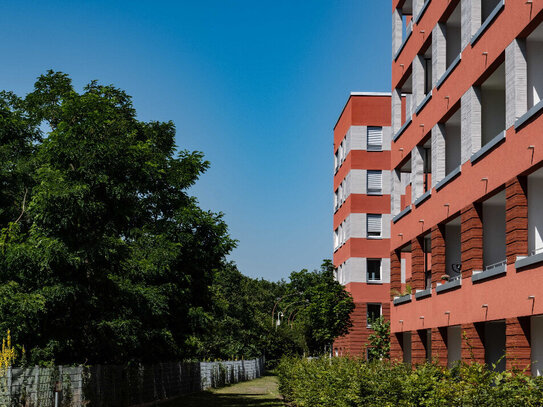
<point x="353" y="382"/>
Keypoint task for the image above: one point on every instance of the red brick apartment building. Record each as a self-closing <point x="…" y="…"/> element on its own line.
<point x="362" y="138"/>
<point x="466" y="233"/>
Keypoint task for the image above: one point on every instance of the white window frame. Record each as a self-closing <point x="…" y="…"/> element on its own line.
<point x="372" y="146"/>
<point x="368" y="324"/>
<point x="370" y="280"/>
<point x="368" y="231"/>
<point x="374" y="191"/>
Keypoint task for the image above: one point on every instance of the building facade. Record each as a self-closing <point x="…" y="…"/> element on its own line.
<point x="467" y="182"/>
<point x="362" y="138"/>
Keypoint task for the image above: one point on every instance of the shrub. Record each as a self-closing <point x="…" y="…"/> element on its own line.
<point x="354" y="382"/>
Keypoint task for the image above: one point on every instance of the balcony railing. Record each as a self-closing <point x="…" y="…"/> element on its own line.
<point x="492" y="270"/>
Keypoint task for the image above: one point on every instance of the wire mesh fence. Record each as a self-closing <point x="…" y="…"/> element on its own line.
<point x="108" y="385"/>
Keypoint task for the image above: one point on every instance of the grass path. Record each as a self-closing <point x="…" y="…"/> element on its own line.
<point x="258" y="393"/>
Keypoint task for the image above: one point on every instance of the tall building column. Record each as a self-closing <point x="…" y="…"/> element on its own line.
<point x="418" y="82"/>
<point x="439" y="346"/>
<point x="418" y="349"/>
<point x="517" y="343"/>
<point x="516" y="81"/>
<point x="470" y="19"/>
<point x="439" y="265"/>
<point x="395" y="272"/>
<point x="397" y="30"/>
<point x="439" y="52"/>
<point x="470" y="123"/>
<point x="417" y="265"/>
<point x="438" y="153"/>
<point x="417" y="171"/>
<point x="473" y="344"/>
<point x="396" y="110"/>
<point x="471" y="245"/>
<point x="396" y="347"/>
<point x="516" y="218"/>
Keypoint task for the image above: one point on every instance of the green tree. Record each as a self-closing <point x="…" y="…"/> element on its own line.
<point x="379" y="339"/>
<point x="105" y="257"/>
<point x="325" y="306"/>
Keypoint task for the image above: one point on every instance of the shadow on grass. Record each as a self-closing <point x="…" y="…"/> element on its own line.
<point x="225" y="400"/>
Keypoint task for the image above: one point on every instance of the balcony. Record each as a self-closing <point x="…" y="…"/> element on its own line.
<point x="493" y="270"/>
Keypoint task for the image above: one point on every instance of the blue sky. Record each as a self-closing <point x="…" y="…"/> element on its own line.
<point x="256" y="85"/>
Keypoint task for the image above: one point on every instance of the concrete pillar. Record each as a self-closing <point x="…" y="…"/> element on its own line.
<point x="396" y="193"/>
<point x="439" y="346"/>
<point x="439" y="264"/>
<point x="439" y="52"/>
<point x="396" y="347"/>
<point x="438" y="153"/>
<point x="418" y="347"/>
<point x="395" y="272"/>
<point x="471" y="231"/>
<point x="517" y="343"/>
<point x="396" y="110"/>
<point x="417" y="6"/>
<point x="470" y="126"/>
<point x="396" y="31"/>
<point x="516" y="81"/>
<point x="473" y="345"/>
<point x="418" y="81"/>
<point x="417" y="173"/>
<point x="417" y="265"/>
<point x="470" y="19"/>
<point x="516" y="218"/>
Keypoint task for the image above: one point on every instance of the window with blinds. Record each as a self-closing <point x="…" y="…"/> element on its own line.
<point x="375" y="138"/>
<point x="375" y="182"/>
<point x="374" y="225"/>
<point x="374" y="269"/>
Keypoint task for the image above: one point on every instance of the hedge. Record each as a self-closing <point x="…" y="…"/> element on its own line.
<point x="353" y="382"/>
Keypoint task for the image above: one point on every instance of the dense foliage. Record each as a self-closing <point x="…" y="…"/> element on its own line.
<point x="325" y="307"/>
<point x="379" y="339"/>
<point x="349" y="382"/>
<point x="309" y="311"/>
<point x="104" y="257"/>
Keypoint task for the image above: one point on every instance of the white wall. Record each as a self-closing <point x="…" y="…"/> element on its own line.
<point x="535" y="211"/>
<point x="493" y="232"/>
<point x="452" y="247"/>
<point x="454" y="344"/>
<point x="356" y="182"/>
<point x="534" y="51"/>
<point x="495" y="344"/>
<point x="452" y="146"/>
<point x="355" y="226"/>
<point x="492" y="112"/>
<point x="407" y="347"/>
<point x="537" y="345"/>
<point x="357" y="138"/>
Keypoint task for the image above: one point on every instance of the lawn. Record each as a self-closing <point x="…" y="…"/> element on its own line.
<point x="258" y="393"/>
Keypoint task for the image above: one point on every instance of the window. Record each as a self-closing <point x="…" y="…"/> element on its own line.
<point x="336" y="161"/>
<point x="375" y="182"/>
<point x="374" y="225"/>
<point x="336" y="199"/>
<point x="375" y="138"/>
<point x="373" y="312"/>
<point x="374" y="269"/>
<point x="336" y="238"/>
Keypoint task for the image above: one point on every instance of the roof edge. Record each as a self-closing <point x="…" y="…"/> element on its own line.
<point x="360" y="94"/>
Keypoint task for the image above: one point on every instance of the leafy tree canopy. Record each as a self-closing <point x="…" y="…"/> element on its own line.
<point x="105" y="257"/>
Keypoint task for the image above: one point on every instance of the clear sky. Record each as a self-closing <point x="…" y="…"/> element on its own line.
<point x="256" y="85"/>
